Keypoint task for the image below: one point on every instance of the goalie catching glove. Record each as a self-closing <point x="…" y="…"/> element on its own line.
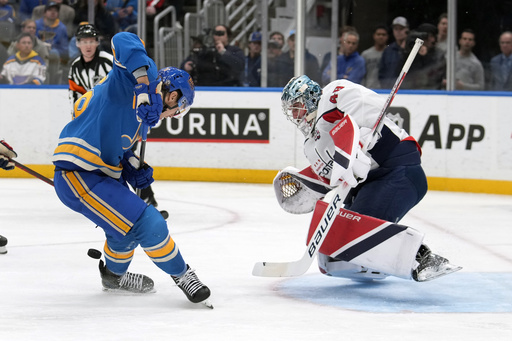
<point x="6" y="154"/>
<point x="149" y="103"/>
<point x="298" y="191"/>
<point x="137" y="178"/>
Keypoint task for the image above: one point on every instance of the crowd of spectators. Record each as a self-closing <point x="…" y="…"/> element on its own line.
<point x="216" y="61"/>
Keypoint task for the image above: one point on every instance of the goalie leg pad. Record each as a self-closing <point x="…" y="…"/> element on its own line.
<point x="338" y="268"/>
<point x="369" y="242"/>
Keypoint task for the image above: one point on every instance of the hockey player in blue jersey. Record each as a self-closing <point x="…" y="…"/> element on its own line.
<point x="94" y="162"/>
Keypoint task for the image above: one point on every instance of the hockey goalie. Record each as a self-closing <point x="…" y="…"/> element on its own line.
<point x="385" y="179"/>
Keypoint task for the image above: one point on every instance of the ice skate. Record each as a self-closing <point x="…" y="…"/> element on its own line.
<point x="431" y="266"/>
<point x="193" y="288"/>
<point x="129" y="282"/>
<point x="3" y="243"/>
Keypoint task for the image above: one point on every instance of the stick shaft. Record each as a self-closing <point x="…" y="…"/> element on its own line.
<point x="144" y="128"/>
<point x="32" y="172"/>
<point x="380" y="121"/>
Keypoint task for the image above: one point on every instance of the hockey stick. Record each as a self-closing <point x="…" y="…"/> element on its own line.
<point x="32" y="172"/>
<point x="144" y="132"/>
<point x="299" y="267"/>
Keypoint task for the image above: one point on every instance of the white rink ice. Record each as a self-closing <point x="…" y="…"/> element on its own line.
<point x="50" y="289"/>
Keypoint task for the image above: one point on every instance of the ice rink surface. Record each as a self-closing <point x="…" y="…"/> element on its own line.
<point x="51" y="290"/>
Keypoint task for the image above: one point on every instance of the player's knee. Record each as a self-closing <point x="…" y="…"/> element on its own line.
<point x="151" y="228"/>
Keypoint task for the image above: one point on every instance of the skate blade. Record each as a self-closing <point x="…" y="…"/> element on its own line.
<point x="122" y="292"/>
<point x="431" y="275"/>
<point x="207" y="304"/>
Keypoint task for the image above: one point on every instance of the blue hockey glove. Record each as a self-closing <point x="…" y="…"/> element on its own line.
<point x="149" y="104"/>
<point x="6" y="153"/>
<point x="137" y="178"/>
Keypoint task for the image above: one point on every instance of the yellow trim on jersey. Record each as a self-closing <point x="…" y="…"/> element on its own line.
<point x="71" y="152"/>
<point x="96" y="204"/>
<point x="164" y="248"/>
<point x="118" y="256"/>
<point x="82" y="103"/>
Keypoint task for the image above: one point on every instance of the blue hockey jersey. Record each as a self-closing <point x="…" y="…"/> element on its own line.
<point x="105" y="123"/>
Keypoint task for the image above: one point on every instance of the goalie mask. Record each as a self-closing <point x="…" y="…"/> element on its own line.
<point x="300" y="102"/>
<point x="174" y="79"/>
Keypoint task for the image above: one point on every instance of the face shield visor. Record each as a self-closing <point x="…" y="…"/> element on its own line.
<point x="295" y="111"/>
<point x="182" y="107"/>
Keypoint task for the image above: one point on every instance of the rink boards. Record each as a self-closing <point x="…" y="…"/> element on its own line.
<point x="241" y="135"/>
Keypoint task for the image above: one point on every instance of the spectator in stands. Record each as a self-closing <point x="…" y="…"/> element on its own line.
<point x="91" y="66"/>
<point x="7" y="12"/>
<point x="3" y="54"/>
<point x="277" y="40"/>
<point x="252" y="70"/>
<point x="429" y="67"/>
<point x="391" y="60"/>
<point x="275" y="46"/>
<point x="42" y="48"/>
<point x="50" y="30"/>
<point x="7" y="23"/>
<point x="373" y="55"/>
<point x="442" y="32"/>
<point x="124" y="12"/>
<point x="350" y="65"/>
<point x="216" y="62"/>
<point x="275" y="64"/>
<point x="469" y="72"/>
<point x="26" y="66"/>
<point x="66" y="15"/>
<point x="103" y="21"/>
<point x="27" y="7"/>
<point x="286" y="64"/>
<point x="501" y="65"/>
<point x="327" y="56"/>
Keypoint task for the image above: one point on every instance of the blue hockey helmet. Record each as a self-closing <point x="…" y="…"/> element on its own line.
<point x="300" y="102"/>
<point x="174" y="79"/>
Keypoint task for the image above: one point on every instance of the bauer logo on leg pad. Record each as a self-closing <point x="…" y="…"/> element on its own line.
<point x="319" y="234"/>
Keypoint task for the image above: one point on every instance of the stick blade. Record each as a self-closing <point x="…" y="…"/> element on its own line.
<point x="283" y="269"/>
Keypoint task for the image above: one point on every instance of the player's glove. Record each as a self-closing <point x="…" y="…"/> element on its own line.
<point x="358" y="172"/>
<point x="6" y="153"/>
<point x="149" y="104"/>
<point x="361" y="167"/>
<point x="137" y="178"/>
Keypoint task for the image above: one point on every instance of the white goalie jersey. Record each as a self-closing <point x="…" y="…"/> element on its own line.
<point x="340" y="98"/>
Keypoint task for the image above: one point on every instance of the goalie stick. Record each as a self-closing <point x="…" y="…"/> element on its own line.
<point x="299" y="267"/>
